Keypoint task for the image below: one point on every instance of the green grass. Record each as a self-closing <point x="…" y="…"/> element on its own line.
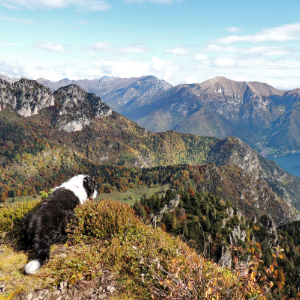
<point x="124" y="197"/>
<point x="9" y="200"/>
<point x="136" y="194"/>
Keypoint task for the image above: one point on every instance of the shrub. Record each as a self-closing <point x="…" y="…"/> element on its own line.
<point x="95" y="221"/>
<point x="10" y="216"/>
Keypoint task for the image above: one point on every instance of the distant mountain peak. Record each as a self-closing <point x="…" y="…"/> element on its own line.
<point x="264" y="89"/>
<point x="239" y="87"/>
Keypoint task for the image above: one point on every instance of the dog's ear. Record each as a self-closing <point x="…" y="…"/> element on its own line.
<point x="89" y="185"/>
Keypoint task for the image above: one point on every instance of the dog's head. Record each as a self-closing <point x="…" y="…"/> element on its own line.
<point x="90" y="186"/>
<point x="83" y="186"/>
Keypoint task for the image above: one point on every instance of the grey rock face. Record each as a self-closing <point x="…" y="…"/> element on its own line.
<point x="237" y="233"/>
<point x="170" y="206"/>
<point x="9" y="79"/>
<point x="226" y="258"/>
<point x="77" y="108"/>
<point x="26" y="97"/>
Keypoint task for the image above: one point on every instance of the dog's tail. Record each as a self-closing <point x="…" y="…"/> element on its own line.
<point x="33" y="266"/>
<point x="41" y="247"/>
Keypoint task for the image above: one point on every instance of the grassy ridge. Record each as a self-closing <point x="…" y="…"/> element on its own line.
<point x="147" y="263"/>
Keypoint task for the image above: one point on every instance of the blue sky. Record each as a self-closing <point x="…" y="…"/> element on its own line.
<point x="181" y="41"/>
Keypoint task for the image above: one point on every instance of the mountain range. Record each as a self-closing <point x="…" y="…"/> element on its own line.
<point x="46" y="136"/>
<point x="230" y="195"/>
<point x="264" y="117"/>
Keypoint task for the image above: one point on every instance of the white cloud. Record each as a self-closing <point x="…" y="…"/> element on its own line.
<point x="81" y="5"/>
<point x="264" y="50"/>
<point x="83" y="22"/>
<point x="131" y="49"/>
<point x="122" y="67"/>
<point x="12" y="44"/>
<point x="283" y="72"/>
<point x="52" y="47"/>
<point x="163" y="69"/>
<point x="177" y="51"/>
<point x="190" y="80"/>
<point x="59" y="23"/>
<point x="113" y="49"/>
<point x="201" y="57"/>
<point x="17" y="20"/>
<point x="103" y="46"/>
<point x="234" y="29"/>
<point x="154" y="1"/>
<point x="289" y="32"/>
<point x="224" y="62"/>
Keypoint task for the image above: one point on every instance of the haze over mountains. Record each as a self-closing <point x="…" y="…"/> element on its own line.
<point x="264" y="117"/>
<point x="71" y="128"/>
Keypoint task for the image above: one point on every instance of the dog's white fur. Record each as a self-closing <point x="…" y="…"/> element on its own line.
<point x="75" y="184"/>
<point x="32" y="267"/>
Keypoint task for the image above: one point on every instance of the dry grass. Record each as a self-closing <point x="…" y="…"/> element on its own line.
<point x="148" y="263"/>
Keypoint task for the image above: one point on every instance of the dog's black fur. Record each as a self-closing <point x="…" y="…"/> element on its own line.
<point x="47" y="225"/>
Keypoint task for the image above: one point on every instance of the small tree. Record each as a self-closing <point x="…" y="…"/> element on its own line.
<point x="11" y="193"/>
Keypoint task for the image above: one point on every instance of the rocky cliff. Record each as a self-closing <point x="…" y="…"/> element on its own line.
<point x="74" y="107"/>
<point x="234" y="151"/>
<point x="26" y="97"/>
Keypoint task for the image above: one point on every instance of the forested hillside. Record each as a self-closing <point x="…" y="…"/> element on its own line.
<point x="218" y="230"/>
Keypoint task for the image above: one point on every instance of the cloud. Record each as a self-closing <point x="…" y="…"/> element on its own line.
<point x="233" y="29"/>
<point x="129" y="49"/>
<point x="81" y="5"/>
<point x="201" y="57"/>
<point x="52" y="47"/>
<point x="17" y="20"/>
<point x="190" y="80"/>
<point x="289" y="32"/>
<point x="264" y="50"/>
<point x="122" y="67"/>
<point x="12" y="44"/>
<point x="113" y="49"/>
<point x="83" y="22"/>
<point x="177" y="50"/>
<point x="154" y="1"/>
<point x="103" y="46"/>
<point x="224" y="62"/>
<point x="282" y="72"/>
<point x="58" y="23"/>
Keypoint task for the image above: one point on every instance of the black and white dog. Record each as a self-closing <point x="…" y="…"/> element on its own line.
<point x="47" y="225"/>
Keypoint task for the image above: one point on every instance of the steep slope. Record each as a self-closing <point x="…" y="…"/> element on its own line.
<point x="259" y="114"/>
<point x="233" y="150"/>
<point x="74" y="108"/>
<point x="80" y="132"/>
<point x="256" y="112"/>
<point x="26" y="97"/>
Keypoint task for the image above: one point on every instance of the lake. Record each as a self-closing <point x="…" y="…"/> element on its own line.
<point x="289" y="162"/>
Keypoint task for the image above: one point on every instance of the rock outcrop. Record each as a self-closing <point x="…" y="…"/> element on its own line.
<point x="74" y="107"/>
<point x="26" y="97"/>
<point x="169" y="207"/>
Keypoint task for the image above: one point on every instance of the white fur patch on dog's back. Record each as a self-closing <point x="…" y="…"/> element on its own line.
<point x="75" y="184"/>
<point x="32" y="266"/>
